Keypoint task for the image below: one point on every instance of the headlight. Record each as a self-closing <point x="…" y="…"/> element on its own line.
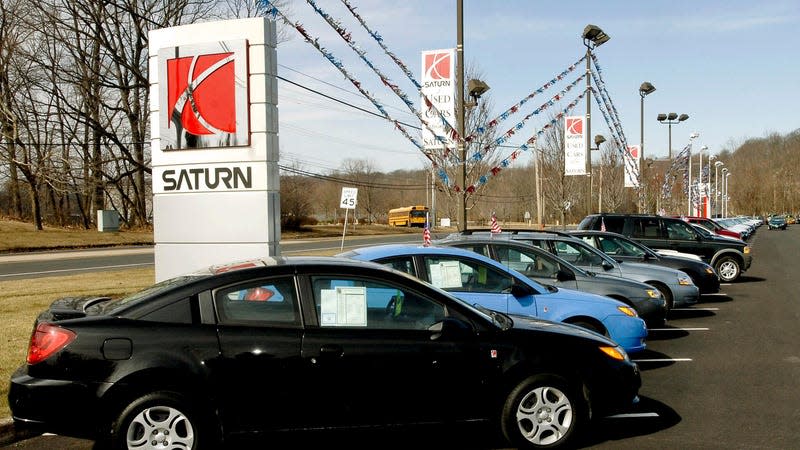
<point x="627" y="310"/>
<point x="684" y="280"/>
<point x="615" y="352"/>
<point x="746" y="249"/>
<point x="653" y="293"/>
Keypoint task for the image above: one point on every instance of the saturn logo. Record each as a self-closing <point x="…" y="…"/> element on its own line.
<point x="204" y="95"/>
<point x="575" y="125"/>
<point x="201" y="97"/>
<point x="437" y="66"/>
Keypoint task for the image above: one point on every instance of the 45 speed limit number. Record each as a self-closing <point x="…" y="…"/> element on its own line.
<point x="349" y="198"/>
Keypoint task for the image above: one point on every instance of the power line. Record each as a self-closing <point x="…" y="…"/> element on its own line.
<point x="401" y="187"/>
<point x="342" y="101"/>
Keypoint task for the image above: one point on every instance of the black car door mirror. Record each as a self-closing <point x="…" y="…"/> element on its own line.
<point x="607" y="265"/>
<point x="521" y="290"/>
<point x="565" y="275"/>
<point x="450" y="327"/>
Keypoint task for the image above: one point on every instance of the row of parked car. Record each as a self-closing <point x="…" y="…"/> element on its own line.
<point x="536" y="326"/>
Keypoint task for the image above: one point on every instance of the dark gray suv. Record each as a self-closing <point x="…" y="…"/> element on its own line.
<point x="729" y="257"/>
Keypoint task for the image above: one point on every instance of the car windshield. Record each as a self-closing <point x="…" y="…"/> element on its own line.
<point x="613" y="245"/>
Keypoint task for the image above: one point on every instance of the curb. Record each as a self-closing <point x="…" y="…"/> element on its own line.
<point x="9" y="434"/>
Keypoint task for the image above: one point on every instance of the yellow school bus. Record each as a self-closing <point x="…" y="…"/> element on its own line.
<point x="408" y="216"/>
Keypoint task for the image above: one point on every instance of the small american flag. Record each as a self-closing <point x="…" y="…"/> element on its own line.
<point x="602" y="224"/>
<point x="426" y="234"/>
<point x="495" y="226"/>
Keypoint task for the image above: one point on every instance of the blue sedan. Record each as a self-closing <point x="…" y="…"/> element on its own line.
<point x="483" y="281"/>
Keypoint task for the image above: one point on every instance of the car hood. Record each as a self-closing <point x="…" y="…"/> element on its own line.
<point x="572" y="295"/>
<point x="650" y="270"/>
<point x="541" y="325"/>
<point x="617" y="281"/>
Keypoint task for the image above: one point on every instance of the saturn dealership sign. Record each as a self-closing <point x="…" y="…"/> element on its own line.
<point x="215" y="147"/>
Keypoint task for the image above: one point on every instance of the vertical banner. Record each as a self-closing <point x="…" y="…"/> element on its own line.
<point x="574" y="145"/>
<point x="631" y="163"/>
<point x="439" y="86"/>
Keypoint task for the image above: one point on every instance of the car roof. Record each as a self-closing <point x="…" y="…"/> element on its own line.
<point x="375" y="252"/>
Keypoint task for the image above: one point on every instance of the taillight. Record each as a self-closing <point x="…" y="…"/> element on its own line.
<point x="46" y="340"/>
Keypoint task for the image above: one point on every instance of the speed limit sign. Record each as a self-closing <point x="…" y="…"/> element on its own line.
<point x="349" y="198"/>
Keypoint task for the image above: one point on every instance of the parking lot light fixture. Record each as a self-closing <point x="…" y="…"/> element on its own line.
<point x="671" y="119"/>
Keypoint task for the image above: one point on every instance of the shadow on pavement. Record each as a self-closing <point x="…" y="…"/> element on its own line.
<point x="648" y="417"/>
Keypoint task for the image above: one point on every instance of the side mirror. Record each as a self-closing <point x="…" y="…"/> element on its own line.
<point x="521" y="290"/>
<point x="450" y="327"/>
<point x="565" y="275"/>
<point x="607" y="265"/>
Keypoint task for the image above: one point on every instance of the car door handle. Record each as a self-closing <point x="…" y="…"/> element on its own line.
<point x="330" y="350"/>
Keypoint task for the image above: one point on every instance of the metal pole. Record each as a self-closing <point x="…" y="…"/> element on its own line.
<point x="642" y="184"/>
<point x="670" y="141"/>
<point x="589" y="122"/>
<point x="699" y="180"/>
<point x="462" y="199"/>
<point x="539" y="209"/>
<point x="689" y="190"/>
<point x="716" y="190"/>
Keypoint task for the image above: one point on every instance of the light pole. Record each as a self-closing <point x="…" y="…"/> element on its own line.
<point x="707" y="210"/>
<point x="716" y="186"/>
<point x="598" y="139"/>
<point x="462" y="151"/>
<point x="699" y="182"/>
<point x="670" y="119"/>
<point x="726" y="196"/>
<point x="644" y="90"/>
<point x="593" y="37"/>
<point x="689" y="178"/>
<point x="476" y="89"/>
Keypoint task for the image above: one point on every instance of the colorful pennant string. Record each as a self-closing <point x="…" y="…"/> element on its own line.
<point x="275" y="12"/>
<point x="347" y="37"/>
<point x="494" y="171"/>
<point x="513" y="109"/>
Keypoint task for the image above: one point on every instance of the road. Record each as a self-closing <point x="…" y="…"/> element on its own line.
<point x="722" y="374"/>
<point x="46" y="264"/>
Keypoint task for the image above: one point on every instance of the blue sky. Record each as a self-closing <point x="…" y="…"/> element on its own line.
<point x="732" y="66"/>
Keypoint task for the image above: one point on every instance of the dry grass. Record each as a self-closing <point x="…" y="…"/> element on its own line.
<point x="22" y="300"/>
<point x="21" y="237"/>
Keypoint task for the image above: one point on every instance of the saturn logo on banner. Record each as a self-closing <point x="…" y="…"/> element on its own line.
<point x="204" y="96"/>
<point x="437" y="66"/>
<point x="634" y="151"/>
<point x="574" y="125"/>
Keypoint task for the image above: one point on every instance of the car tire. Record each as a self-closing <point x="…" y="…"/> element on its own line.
<point x="162" y="419"/>
<point x="728" y="269"/>
<point x="544" y="411"/>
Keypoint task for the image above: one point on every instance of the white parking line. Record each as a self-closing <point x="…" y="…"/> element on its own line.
<point x="695" y="309"/>
<point x="663" y="360"/>
<point x="632" y="415"/>
<point x="680" y="329"/>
